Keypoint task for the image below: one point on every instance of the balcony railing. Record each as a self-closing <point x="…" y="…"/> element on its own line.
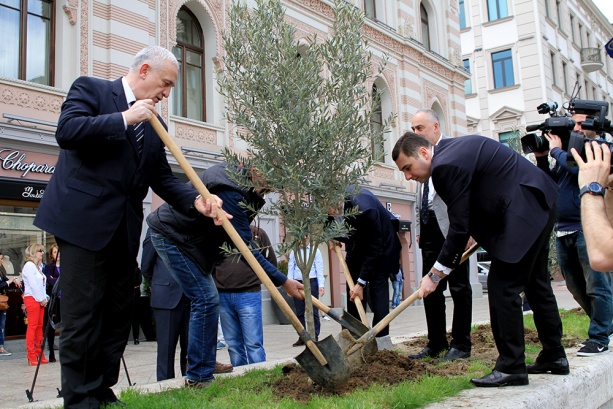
<point x="591" y="59"/>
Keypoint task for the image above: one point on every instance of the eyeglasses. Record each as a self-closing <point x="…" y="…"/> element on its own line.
<point x="40" y="251"/>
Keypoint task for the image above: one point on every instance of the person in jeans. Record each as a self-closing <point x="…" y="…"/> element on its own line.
<point x="190" y="245"/>
<point x="317" y="281"/>
<point x="591" y="289"/>
<point x="397" y="280"/>
<point x="240" y="303"/>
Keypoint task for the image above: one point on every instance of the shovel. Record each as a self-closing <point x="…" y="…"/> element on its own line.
<point x="358" y="302"/>
<point x="354" y="358"/>
<point x="347" y="321"/>
<point x="330" y="358"/>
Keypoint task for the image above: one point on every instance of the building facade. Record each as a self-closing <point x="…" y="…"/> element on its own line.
<point x="521" y="53"/>
<point x="49" y="43"/>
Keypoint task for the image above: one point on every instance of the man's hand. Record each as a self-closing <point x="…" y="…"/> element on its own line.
<point x="321" y="291"/>
<point x="598" y="164"/>
<point x="427" y="287"/>
<point x="140" y="111"/>
<point x="358" y="291"/>
<point x="208" y="209"/>
<point x="554" y="141"/>
<point x="292" y="288"/>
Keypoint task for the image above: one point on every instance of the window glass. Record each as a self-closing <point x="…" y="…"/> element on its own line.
<point x="462" y="15"/>
<point x="9" y="47"/>
<point x="468" y="86"/>
<point x="376" y="124"/>
<point x="497" y="9"/>
<point x="502" y="67"/>
<point x="39" y="32"/>
<point x="425" y="27"/>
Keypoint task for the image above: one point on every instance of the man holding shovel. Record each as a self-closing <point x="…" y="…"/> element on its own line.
<point x="373" y="253"/>
<point x="109" y="158"/>
<point x="190" y="245"/>
<point x="498" y="197"/>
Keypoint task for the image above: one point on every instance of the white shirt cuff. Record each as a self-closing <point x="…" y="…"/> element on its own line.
<point x="440" y="267"/>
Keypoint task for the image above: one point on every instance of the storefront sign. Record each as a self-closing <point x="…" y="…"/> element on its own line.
<point x="21" y="190"/>
<point x="15" y="160"/>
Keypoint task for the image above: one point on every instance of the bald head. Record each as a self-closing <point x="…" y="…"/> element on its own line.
<point x="425" y="123"/>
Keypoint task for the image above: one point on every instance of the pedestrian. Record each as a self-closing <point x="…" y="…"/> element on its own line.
<point x="508" y="205"/>
<point x="35" y="299"/>
<point x="316" y="280"/>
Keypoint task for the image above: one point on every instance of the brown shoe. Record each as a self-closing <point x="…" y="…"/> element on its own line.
<point x="298" y="343"/>
<point x="222" y="368"/>
<point x="196" y="385"/>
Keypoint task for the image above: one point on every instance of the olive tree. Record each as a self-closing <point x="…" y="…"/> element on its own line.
<point x="304" y="107"/>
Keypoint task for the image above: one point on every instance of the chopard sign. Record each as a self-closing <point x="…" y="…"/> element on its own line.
<point x="15" y="160"/>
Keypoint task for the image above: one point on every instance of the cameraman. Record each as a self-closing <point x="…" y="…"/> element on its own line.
<point x="596" y="213"/>
<point x="590" y="288"/>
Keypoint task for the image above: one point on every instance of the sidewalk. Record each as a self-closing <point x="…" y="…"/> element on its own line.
<point x="278" y="340"/>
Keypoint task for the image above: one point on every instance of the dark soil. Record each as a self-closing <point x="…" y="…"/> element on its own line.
<point x="391" y="367"/>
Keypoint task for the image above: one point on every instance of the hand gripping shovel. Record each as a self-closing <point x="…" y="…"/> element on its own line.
<point x="331" y="363"/>
<point x="363" y="346"/>
<point x="349" y="279"/>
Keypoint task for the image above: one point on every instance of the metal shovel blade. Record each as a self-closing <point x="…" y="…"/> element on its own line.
<point x="348" y="321"/>
<point x="333" y="375"/>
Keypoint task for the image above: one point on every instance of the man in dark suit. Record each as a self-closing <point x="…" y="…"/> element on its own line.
<point x="431" y="226"/>
<point x="373" y="253"/>
<point x="508" y="205"/>
<point x="170" y="309"/>
<point x="109" y="158"/>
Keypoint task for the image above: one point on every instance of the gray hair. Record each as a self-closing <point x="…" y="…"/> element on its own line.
<point x="154" y="56"/>
<point x="432" y="115"/>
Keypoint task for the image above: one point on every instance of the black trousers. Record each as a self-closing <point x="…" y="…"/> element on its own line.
<point x="431" y="241"/>
<point x="505" y="283"/>
<point x="300" y="307"/>
<point x="97" y="305"/>
<point x="376" y="294"/>
<point x="171" y="326"/>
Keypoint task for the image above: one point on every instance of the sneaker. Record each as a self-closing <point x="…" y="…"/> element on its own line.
<point x="4" y="352"/>
<point x="582" y="344"/>
<point x="592" y="348"/>
<point x="221" y="345"/>
<point x="325" y="318"/>
<point x="196" y="385"/>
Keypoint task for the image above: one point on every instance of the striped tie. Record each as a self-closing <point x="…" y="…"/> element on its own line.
<point x="139" y="132"/>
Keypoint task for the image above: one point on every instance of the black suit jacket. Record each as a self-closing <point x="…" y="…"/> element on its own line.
<point x="373" y="247"/>
<point x="99" y="178"/>
<point x="165" y="291"/>
<point x="493" y="194"/>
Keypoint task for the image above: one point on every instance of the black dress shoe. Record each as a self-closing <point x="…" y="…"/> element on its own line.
<point x="497" y="378"/>
<point x="427" y="352"/>
<point x="557" y="367"/>
<point x="454" y="354"/>
<point x="136" y="341"/>
<point x="298" y="343"/>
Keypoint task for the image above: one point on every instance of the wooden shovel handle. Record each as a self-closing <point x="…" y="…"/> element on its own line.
<point x="356" y="300"/>
<point x="396" y="311"/>
<point x="235" y="237"/>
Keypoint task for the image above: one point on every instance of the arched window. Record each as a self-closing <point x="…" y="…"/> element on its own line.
<point x="376" y="124"/>
<point x="425" y="27"/>
<point x="28" y="42"/>
<point x="190" y="90"/>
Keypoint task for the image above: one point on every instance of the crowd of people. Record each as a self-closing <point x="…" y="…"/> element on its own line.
<point x="110" y="154"/>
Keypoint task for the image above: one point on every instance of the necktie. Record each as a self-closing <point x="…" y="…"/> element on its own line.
<point x="424" y="202"/>
<point x="139" y="133"/>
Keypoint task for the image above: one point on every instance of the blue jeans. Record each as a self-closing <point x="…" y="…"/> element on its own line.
<point x="241" y="321"/>
<point x="397" y="286"/>
<point x="591" y="289"/>
<point x="2" y="323"/>
<point x="200" y="289"/>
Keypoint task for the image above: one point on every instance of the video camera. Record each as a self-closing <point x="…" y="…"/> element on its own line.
<point x="562" y="126"/>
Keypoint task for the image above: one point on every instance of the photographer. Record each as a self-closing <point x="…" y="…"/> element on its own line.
<point x="591" y="289"/>
<point x="596" y="213"/>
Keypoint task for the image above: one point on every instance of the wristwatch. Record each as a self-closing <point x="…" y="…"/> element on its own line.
<point x="434" y="277"/>
<point x="593" y="188"/>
